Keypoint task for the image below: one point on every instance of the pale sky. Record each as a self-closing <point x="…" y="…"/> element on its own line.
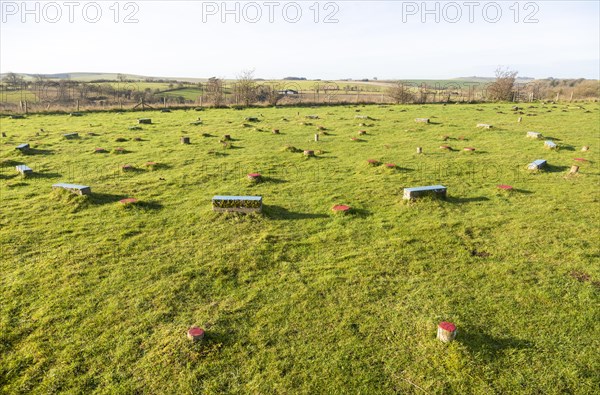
<point x="364" y="39"/>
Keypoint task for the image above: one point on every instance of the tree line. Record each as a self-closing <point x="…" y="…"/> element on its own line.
<point x="247" y="90"/>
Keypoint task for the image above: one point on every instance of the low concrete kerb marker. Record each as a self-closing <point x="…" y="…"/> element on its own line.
<point x="24" y="169"/>
<point x="446" y="331"/>
<point x="195" y="334"/>
<point x="341" y="208"/>
<point x="254" y="176"/>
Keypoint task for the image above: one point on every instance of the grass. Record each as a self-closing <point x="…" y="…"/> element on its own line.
<point x="96" y="297"/>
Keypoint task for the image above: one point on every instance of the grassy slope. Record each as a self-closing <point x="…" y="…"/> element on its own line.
<point x="97" y="298"/>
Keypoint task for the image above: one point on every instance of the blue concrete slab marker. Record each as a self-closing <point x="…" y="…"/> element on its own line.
<point x="75" y="188"/>
<point x="23" y="169"/>
<point x="415" y="192"/>
<point x="537" y="164"/>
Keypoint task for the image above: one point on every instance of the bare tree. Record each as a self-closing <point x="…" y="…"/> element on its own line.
<point x="245" y="87"/>
<point x="214" y="91"/>
<point x="13" y="81"/>
<point x="400" y="93"/>
<point x="502" y="88"/>
<point x="269" y="93"/>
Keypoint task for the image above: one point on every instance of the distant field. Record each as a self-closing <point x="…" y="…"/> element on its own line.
<point x="192" y="92"/>
<point x="16" y="96"/>
<point x="186" y="93"/>
<point x="96" y="297"/>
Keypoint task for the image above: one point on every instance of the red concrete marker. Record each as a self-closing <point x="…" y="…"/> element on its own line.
<point x="373" y="162"/>
<point x="390" y="165"/>
<point x="444" y="147"/>
<point x="469" y="149"/>
<point x="195" y="334"/>
<point x="340" y="208"/>
<point x="254" y="176"/>
<point x="580" y="159"/>
<point x="505" y="187"/>
<point x="127" y="167"/>
<point x="446" y="331"/>
<point x="150" y="163"/>
<point x="128" y="201"/>
<point x="99" y="150"/>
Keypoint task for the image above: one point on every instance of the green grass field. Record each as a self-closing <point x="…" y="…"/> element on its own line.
<point x="96" y="297"/>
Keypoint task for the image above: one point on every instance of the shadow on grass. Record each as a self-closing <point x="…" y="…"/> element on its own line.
<point x="489" y="346"/>
<point x="281" y="213"/>
<point x="523" y="191"/>
<point x="35" y="151"/>
<point x="132" y="170"/>
<point x="217" y="153"/>
<point x="104" y="198"/>
<point x="399" y="169"/>
<point x="273" y="180"/>
<point x="317" y="157"/>
<point x="359" y="212"/>
<point x="567" y="147"/>
<point x="9" y="163"/>
<point x="7" y="176"/>
<point x="99" y="199"/>
<point x="555" y="169"/>
<point x="461" y="200"/>
<point x="476" y="152"/>
<point x="149" y="205"/>
<point x="16" y="184"/>
<point x="159" y="166"/>
<point x="35" y="175"/>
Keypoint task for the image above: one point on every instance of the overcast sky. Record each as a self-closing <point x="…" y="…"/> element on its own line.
<point x="328" y="40"/>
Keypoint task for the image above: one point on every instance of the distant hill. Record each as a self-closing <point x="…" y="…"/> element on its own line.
<point x="92" y="76"/>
